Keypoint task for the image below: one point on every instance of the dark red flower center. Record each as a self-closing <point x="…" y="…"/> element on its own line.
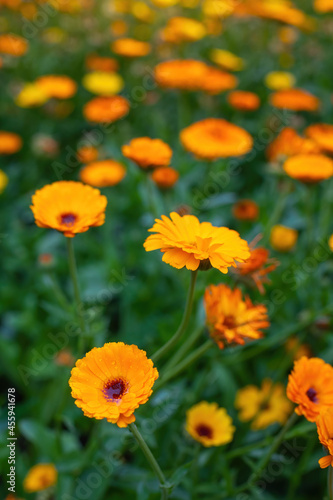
<point x="68" y="219"/>
<point x="229" y="322"/>
<point x="312" y="395"/>
<point x="204" y="431"/>
<point x="115" y="389"/>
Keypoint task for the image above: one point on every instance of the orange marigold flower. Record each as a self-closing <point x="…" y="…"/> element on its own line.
<point x="309" y="168"/>
<point x="87" y="154"/>
<point x="112" y="381"/>
<point x="98" y="63"/>
<point x="209" y="424"/>
<point x="322" y="134"/>
<point x="295" y="100"/>
<point x="289" y="143"/>
<point x="230" y="319"/>
<point x="325" y="433"/>
<point x="148" y="153"/>
<point x="106" y="109"/>
<point x="69" y="207"/>
<point x="64" y="358"/>
<point x="180" y="74"/>
<point x="57" y="86"/>
<point x="185" y="242"/>
<point x="9" y="142"/>
<point x="257" y="267"/>
<point x="323" y="6"/>
<point x="165" y="177"/>
<point x="103" y="173"/>
<point x="243" y="100"/>
<point x="214" y="138"/>
<point x="190" y="74"/>
<point x="245" y="210"/>
<point x="264" y="406"/>
<point x="40" y="477"/>
<point x="310" y="386"/>
<point x="129" y="47"/>
<point x="13" y="45"/>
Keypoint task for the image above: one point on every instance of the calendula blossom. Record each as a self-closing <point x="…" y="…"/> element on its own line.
<point x="209" y="424"/>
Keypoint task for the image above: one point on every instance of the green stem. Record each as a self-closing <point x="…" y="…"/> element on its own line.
<point x="173" y="372"/>
<point x="184" y="322"/>
<point x="184" y="348"/>
<point x="266" y="458"/>
<point x="165" y="487"/>
<point x="77" y="296"/>
<point x="330" y="482"/>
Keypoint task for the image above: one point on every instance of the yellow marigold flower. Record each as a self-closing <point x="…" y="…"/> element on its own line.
<point x="69" y="207"/>
<point x="103" y="83"/>
<point x="310" y="386"/>
<point x="321" y="134"/>
<point x="230" y="319"/>
<point x="309" y="168"/>
<point x="295" y="100"/>
<point x="87" y="154"/>
<point x="330" y="242"/>
<point x="40" y="477"/>
<point x="209" y="425"/>
<point x="165" y="177"/>
<point x="214" y="138"/>
<point x="112" y="381"/>
<point x="279" y="80"/>
<point x="323" y="6"/>
<point x="9" y="142"/>
<point x="143" y="12"/>
<point x="226" y="60"/>
<point x="245" y="210"/>
<point x="106" y="109"/>
<point x="57" y="86"/>
<point x="257" y="267"/>
<point x="218" y="8"/>
<point x="129" y="47"/>
<point x="264" y="406"/>
<point x="325" y="433"/>
<point x="98" y="63"/>
<point x="3" y="181"/>
<point x="13" y="45"/>
<point x="148" y="153"/>
<point x="103" y="173"/>
<point x="283" y="238"/>
<point x="183" y="29"/>
<point x="185" y="242"/>
<point x="244" y="100"/>
<point x="30" y="96"/>
<point x="289" y="143"/>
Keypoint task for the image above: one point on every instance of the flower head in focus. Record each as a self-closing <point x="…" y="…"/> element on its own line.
<point x="209" y="424"/>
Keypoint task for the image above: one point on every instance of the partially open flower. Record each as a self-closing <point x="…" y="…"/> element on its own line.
<point x="310" y="386"/>
<point x="69" y="207"/>
<point x="106" y="109"/>
<point x="112" y="382"/>
<point x="246" y="210"/>
<point x="325" y="433"/>
<point x="265" y="405"/>
<point x="309" y="168"/>
<point x="216" y="138"/>
<point x="57" y="86"/>
<point x="148" y="153"/>
<point x="295" y="100"/>
<point x="243" y="100"/>
<point x="165" y="177"/>
<point x="232" y="319"/>
<point x="103" y="173"/>
<point x="40" y="477"/>
<point x="185" y="242"/>
<point x="257" y="267"/>
<point x="283" y="238"/>
<point x="129" y="47"/>
<point x="322" y="134"/>
<point x="209" y="424"/>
